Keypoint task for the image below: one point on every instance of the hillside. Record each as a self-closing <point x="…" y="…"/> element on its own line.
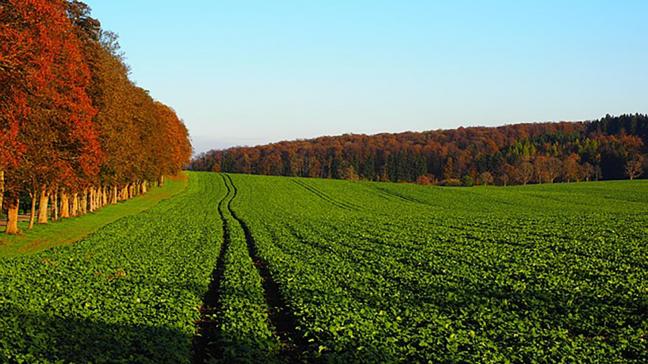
<point x="605" y="149"/>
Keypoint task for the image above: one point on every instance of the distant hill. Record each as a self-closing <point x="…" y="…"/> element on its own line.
<point x="613" y="147"/>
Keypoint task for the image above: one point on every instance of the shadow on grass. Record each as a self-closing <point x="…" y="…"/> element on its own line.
<point x="30" y="338"/>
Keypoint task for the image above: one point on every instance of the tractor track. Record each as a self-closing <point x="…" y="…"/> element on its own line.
<point x="325" y="197"/>
<point x="205" y="342"/>
<point x="388" y="193"/>
<point x="281" y="318"/>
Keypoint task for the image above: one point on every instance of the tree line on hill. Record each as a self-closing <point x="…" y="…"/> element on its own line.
<point x="75" y="133"/>
<point x="609" y="148"/>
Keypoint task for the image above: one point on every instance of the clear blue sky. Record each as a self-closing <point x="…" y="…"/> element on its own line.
<point x="243" y="72"/>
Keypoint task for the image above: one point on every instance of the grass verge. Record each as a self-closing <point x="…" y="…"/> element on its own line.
<point x="68" y="231"/>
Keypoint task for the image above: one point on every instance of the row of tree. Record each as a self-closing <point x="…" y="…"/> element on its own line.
<point x="75" y="132"/>
<point x="609" y="148"/>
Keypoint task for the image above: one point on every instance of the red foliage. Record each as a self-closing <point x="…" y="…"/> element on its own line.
<point x="69" y="116"/>
<point x="49" y="76"/>
<point x="520" y="153"/>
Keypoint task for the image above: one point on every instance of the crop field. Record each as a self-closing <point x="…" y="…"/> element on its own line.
<point x="272" y="269"/>
<point x="128" y="293"/>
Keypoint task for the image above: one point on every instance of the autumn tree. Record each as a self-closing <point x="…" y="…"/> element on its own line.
<point x="523" y="173"/>
<point x="73" y="127"/>
<point x="571" y="170"/>
<point x="349" y="173"/>
<point x="19" y="64"/>
<point x="547" y="169"/>
<point x="601" y="146"/>
<point x="56" y="130"/>
<point x="587" y="171"/>
<point x="424" y="180"/>
<point x="486" y="178"/>
<point x="634" y="167"/>
<point x="176" y="151"/>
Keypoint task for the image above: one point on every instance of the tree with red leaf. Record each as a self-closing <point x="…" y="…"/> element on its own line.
<point x="59" y="143"/>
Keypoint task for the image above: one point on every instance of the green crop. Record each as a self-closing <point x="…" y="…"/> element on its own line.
<point x="128" y="293"/>
<point x="245" y="332"/>
<point x="339" y="271"/>
<point x="384" y="272"/>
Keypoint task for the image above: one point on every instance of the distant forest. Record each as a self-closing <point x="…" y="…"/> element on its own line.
<point x="613" y="147"/>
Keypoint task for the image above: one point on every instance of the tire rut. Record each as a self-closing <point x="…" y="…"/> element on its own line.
<point x="281" y="318"/>
<point x="325" y="197"/>
<point x="205" y="342"/>
<point x="387" y="192"/>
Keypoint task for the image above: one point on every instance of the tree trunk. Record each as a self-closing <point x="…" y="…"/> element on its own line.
<point x="144" y="187"/>
<point x="32" y="211"/>
<point x="55" y="206"/>
<point x="65" y="205"/>
<point x="1" y="190"/>
<point x="12" y="216"/>
<point x="161" y="181"/>
<point x="75" y="204"/>
<point x="99" y="197"/>
<point x="104" y="196"/>
<point x="84" y="202"/>
<point x="92" y="199"/>
<point x="42" y="205"/>
<point x="114" y="193"/>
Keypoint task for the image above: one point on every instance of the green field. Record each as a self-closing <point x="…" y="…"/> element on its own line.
<point x="71" y="230"/>
<point x="272" y="269"/>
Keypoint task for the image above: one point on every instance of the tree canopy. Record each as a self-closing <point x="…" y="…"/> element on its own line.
<point x="73" y="126"/>
<point x="609" y="148"/>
